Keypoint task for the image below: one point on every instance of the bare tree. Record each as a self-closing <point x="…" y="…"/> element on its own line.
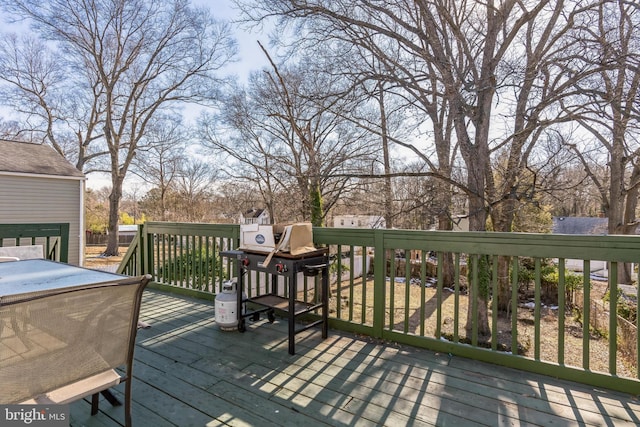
<point x="489" y="76"/>
<point x="134" y="58"/>
<point x="193" y="185"/>
<point x="244" y="150"/>
<point x="445" y="55"/>
<point x="11" y="130"/>
<point x="286" y="137"/>
<point x="159" y="162"/>
<point x="46" y="95"/>
<point x="607" y="106"/>
<point x="231" y="198"/>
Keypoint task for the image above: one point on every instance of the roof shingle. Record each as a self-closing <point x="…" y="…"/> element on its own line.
<point x="40" y="159"/>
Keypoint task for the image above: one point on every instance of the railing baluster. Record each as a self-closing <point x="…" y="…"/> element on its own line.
<point x="514" y="307"/>
<point x="613" y="317"/>
<point x="456" y="300"/>
<point x="494" y="304"/>
<point x="392" y="288"/>
<point x="209" y="266"/>
<point x="171" y="255"/>
<point x="339" y="282"/>
<point x="352" y="267"/>
<point x="196" y="278"/>
<point x="536" y="309"/>
<point x="365" y="259"/>
<point x="165" y="261"/>
<point x="423" y="290"/>
<point x="562" y="290"/>
<point x="224" y="272"/>
<point x="439" y="290"/>
<point x="407" y="292"/>
<point x="473" y="294"/>
<point x="586" y="314"/>
<point x="181" y="263"/>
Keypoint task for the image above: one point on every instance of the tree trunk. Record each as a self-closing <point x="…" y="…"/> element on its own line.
<point x="477" y="222"/>
<point x="479" y="283"/>
<point x="315" y="198"/>
<point x="630" y="225"/>
<point x="388" y="191"/>
<point x="477" y="159"/>
<point x="502" y="220"/>
<point x="622" y="203"/>
<point x="114" y="218"/>
<point x="445" y="224"/>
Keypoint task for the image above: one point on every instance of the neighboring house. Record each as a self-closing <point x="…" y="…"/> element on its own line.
<point x="126" y="234"/>
<point x="255" y="216"/>
<point x="579" y="225"/>
<point x="585" y="226"/>
<point x="460" y="223"/>
<point x="359" y="221"/>
<point x="127" y="230"/>
<point x="38" y="185"/>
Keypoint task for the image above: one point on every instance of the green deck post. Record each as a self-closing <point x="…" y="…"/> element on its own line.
<point x="379" y="274"/>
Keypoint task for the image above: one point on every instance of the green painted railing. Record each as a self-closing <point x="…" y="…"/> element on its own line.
<point x="53" y="237"/>
<point x="416" y="287"/>
<point x="183" y="256"/>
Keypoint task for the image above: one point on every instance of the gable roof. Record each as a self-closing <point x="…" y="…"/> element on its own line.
<point x="253" y="213"/>
<point x="38" y="159"/>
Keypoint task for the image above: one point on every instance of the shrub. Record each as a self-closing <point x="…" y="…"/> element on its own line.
<point x="626" y="308"/>
<point x="572" y="281"/>
<point x="549" y="279"/>
<point x="194" y="266"/>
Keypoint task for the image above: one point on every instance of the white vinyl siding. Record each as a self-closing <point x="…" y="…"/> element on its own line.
<point x="26" y="199"/>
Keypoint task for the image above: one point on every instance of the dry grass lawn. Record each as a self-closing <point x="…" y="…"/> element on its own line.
<point x="414" y="323"/>
<point x="93" y="256"/>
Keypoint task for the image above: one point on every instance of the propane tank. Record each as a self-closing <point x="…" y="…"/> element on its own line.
<point x="226" y="305"/>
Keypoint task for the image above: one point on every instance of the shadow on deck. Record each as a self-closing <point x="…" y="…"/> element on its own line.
<point x="188" y="372"/>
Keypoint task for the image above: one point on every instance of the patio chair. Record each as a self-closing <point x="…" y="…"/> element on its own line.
<point x="82" y="339"/>
<point x="14" y="253"/>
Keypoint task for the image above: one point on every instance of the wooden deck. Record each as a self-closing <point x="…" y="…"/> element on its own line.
<point x="190" y="373"/>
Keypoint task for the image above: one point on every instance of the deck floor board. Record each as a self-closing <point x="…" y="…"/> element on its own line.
<point x="188" y="372"/>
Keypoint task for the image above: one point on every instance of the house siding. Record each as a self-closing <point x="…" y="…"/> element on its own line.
<point x="26" y="199"/>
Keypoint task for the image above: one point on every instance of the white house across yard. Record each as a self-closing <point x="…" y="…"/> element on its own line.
<point x="359" y="221"/>
<point x="255" y="216"/>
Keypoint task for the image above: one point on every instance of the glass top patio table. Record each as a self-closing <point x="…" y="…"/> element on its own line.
<point x="39" y="275"/>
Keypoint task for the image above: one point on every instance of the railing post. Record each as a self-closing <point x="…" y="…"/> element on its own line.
<point x="64" y="242"/>
<point x="236" y="237"/>
<point x="379" y="285"/>
<point x="140" y="258"/>
<point x="148" y="253"/>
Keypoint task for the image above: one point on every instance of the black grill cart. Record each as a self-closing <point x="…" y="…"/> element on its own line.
<point x="284" y="298"/>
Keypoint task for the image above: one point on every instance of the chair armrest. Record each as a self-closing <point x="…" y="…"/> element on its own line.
<point x="78" y="390"/>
